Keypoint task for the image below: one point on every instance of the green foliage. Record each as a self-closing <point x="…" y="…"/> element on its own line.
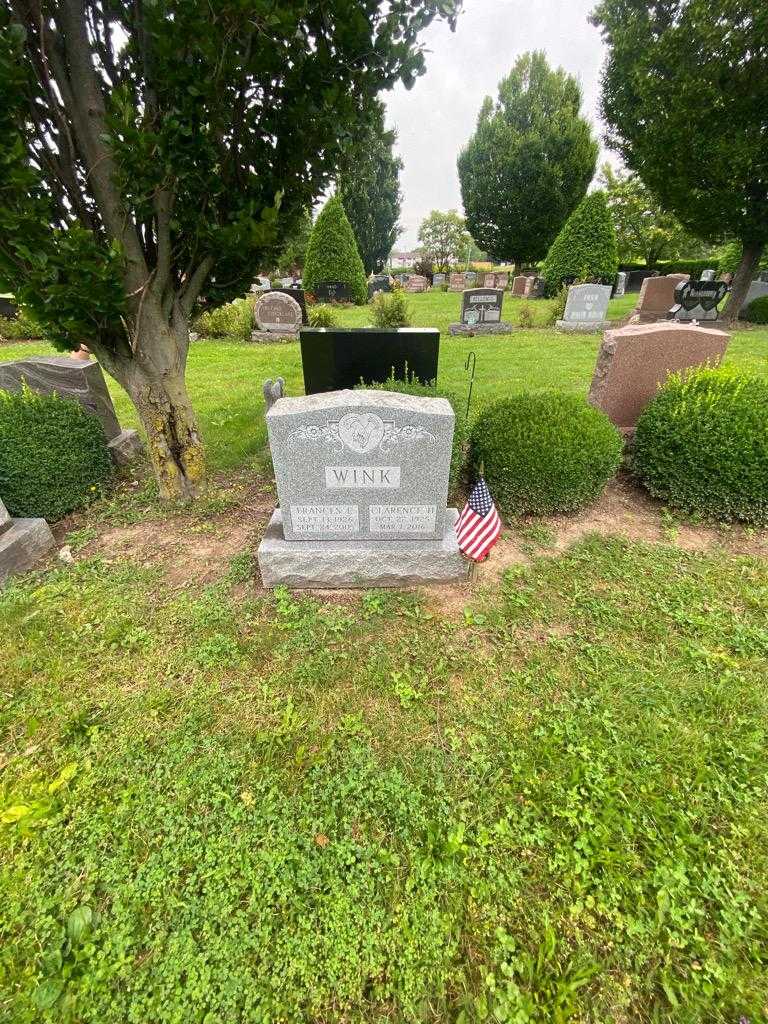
<point x="332" y="253"/>
<point x="757" y="311"/>
<point x="525" y="316"/>
<point x="322" y="315"/>
<point x="53" y="455"/>
<point x="729" y="258"/>
<point x="557" y="308"/>
<point x="460" y="430"/>
<point x="529" y="162"/>
<point x="585" y="249"/>
<point x="232" y="320"/>
<point x="21" y="327"/>
<point x="701" y="445"/>
<point x="369" y="187"/>
<point x="294" y="250"/>
<point x="544" y="453"/>
<point x="643" y="229"/>
<point x="444" y="239"/>
<point x="391" y="309"/>
<point x="696" y="70"/>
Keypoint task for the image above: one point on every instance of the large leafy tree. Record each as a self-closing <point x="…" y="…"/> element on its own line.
<point x="529" y="162"/>
<point x="643" y="229"/>
<point x="685" y="94"/>
<point x="154" y="154"/>
<point x="444" y="239"/>
<point x="369" y="186"/>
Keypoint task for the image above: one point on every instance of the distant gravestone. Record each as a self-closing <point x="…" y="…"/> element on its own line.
<point x="621" y="284"/>
<point x="585" y="309"/>
<point x="481" y="313"/>
<point x="276" y="315"/>
<point x="81" y="380"/>
<point x="635" y="360"/>
<point x="536" y="288"/>
<point x="757" y="290"/>
<point x="698" y="300"/>
<point x="456" y="283"/>
<point x="297" y="294"/>
<point x="362" y="484"/>
<point x="379" y="283"/>
<point x="8" y="308"/>
<point x="635" y="279"/>
<point x="416" y="283"/>
<point x="438" y="280"/>
<point x="763" y="276"/>
<point x="657" y="296"/>
<point x="333" y="291"/>
<point x="708" y="275"/>
<point x="502" y="279"/>
<point x="519" y="285"/>
<point x="22" y="543"/>
<point x="470" y="278"/>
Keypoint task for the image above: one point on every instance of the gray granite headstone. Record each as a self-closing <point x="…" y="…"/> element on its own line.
<point x="621" y="284"/>
<point x="362" y="482"/>
<point x="69" y="378"/>
<point x="481" y="305"/>
<point x="586" y="308"/>
<point x="22" y="542"/>
<point x="438" y="280"/>
<point x="757" y="290"/>
<point x="470" y="278"/>
<point x="708" y="275"/>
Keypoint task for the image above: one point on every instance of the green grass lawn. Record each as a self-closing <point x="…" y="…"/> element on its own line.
<point x="225" y="377"/>
<point x="541" y="798"/>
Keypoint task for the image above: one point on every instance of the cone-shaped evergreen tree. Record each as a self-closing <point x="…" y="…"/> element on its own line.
<point x="586" y="246"/>
<point x="332" y="253"/>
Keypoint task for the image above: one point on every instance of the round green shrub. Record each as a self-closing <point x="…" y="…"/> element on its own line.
<point x="586" y="246"/>
<point x="332" y="253"/>
<point x="391" y="309"/>
<point x="756" y="312"/>
<point x="702" y="445"/>
<point x="322" y="315"/>
<point x="547" y="452"/>
<point x="53" y="455"/>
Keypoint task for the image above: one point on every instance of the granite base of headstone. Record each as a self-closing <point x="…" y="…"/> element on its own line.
<point x="277" y="317"/>
<point x="22" y="543"/>
<point x="481" y="313"/>
<point x="362" y="484"/>
<point x="586" y="309"/>
<point x="81" y="380"/>
<point x="635" y="360"/>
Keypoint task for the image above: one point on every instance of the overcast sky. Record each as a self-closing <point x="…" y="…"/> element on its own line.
<point x="438" y="115"/>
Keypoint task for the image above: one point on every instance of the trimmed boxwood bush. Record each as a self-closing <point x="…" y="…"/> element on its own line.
<point x="391" y="309"/>
<point x="460" y="432"/>
<point x="756" y="312"/>
<point x="53" y="454"/>
<point x="547" y="452"/>
<point x="586" y="247"/>
<point x="322" y="315"/>
<point x="332" y="253"/>
<point x="702" y="445"/>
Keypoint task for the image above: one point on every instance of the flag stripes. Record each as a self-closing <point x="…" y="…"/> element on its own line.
<point x="479" y="526"/>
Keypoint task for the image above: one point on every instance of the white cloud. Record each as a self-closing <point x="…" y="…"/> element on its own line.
<point x="438" y="115"/>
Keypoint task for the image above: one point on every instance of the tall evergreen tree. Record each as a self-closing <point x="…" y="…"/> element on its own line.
<point x="529" y="162"/>
<point x="685" y="95"/>
<point x="332" y="252"/>
<point x="369" y="186"/>
<point x="585" y="248"/>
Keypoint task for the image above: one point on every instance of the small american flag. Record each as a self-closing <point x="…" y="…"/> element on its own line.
<point x="479" y="526"/>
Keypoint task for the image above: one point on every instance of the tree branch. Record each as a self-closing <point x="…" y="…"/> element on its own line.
<point x="191" y="290"/>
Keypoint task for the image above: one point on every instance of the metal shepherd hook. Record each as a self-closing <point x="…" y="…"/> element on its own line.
<point x="473" y="358"/>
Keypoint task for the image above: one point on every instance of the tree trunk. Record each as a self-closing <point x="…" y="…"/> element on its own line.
<point x="154" y="379"/>
<point x="746" y="271"/>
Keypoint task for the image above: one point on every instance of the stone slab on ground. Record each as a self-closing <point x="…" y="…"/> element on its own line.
<point x="373" y="563"/>
<point x="590" y="327"/>
<point x="125" y="447"/>
<point x="635" y="360"/>
<point x="22" y="543"/>
<point x="501" y="327"/>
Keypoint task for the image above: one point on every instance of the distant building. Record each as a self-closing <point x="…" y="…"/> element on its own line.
<point x="403" y="259"/>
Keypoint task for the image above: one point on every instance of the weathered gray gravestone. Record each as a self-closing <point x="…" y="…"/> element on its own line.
<point x="438" y="280"/>
<point x="708" y="275"/>
<point x="22" y="542"/>
<point x="621" y="284"/>
<point x="276" y="315"/>
<point x="78" y="379"/>
<point x="757" y="290"/>
<point x="481" y="313"/>
<point x="585" y="309"/>
<point x="362" y="482"/>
